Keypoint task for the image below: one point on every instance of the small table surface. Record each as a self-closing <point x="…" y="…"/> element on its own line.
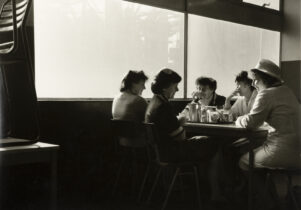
<point x="34" y="153"/>
<point x="226" y="130"/>
<point x="30" y="147"/>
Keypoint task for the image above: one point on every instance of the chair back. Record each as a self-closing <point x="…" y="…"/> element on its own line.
<point x="129" y="133"/>
<point x="19" y="105"/>
<point x="153" y="139"/>
<point x="12" y="15"/>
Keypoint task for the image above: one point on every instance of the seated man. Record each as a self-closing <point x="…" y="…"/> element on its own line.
<point x="205" y="95"/>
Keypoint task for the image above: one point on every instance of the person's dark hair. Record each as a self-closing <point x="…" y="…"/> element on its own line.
<point x="130" y="78"/>
<point x="243" y="77"/>
<point x="268" y="80"/>
<point x="164" y="79"/>
<point x="207" y="81"/>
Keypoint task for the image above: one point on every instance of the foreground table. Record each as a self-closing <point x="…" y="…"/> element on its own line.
<point x="231" y="131"/>
<point x="35" y="153"/>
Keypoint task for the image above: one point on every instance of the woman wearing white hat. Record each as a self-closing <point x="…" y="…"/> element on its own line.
<point x="276" y="106"/>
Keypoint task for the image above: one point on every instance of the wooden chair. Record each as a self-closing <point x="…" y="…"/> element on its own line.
<point x="130" y="140"/>
<point x="153" y="139"/>
<point x="270" y="185"/>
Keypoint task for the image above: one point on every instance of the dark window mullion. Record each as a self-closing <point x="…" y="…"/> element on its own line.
<point x="185" y="51"/>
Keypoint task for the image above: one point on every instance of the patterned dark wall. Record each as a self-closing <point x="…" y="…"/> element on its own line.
<point x="83" y="131"/>
<point x="291" y="72"/>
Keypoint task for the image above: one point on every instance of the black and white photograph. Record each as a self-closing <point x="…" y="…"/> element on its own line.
<point x="150" y="105"/>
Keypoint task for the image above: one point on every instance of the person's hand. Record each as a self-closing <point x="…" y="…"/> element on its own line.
<point x="240" y="122"/>
<point x="233" y="93"/>
<point x="182" y="119"/>
<point x="228" y="99"/>
<point x="196" y="95"/>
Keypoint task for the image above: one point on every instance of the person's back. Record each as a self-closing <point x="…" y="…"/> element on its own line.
<point x="127" y="106"/>
<point x="277" y="108"/>
<point x="283" y="114"/>
<point x="159" y="111"/>
<point x="130" y="106"/>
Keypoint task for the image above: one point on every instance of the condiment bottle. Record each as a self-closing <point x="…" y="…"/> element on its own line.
<point x="193" y="114"/>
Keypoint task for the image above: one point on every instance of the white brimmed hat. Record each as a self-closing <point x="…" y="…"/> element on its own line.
<point x="270" y="68"/>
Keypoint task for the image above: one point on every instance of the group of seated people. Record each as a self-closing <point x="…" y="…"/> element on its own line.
<point x="262" y="99"/>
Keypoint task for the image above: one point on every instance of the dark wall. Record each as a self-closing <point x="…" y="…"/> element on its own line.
<point x="82" y="129"/>
<point x="291" y="46"/>
<point x="292" y="76"/>
<point x="87" y="163"/>
<point x="290" y="34"/>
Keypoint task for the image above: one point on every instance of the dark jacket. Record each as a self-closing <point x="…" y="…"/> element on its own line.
<point x="217" y="100"/>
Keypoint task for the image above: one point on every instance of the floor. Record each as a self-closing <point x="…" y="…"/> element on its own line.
<point x="31" y="193"/>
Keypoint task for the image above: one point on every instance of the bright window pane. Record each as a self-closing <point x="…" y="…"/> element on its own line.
<point x="272" y="4"/>
<point x="83" y="48"/>
<point x="221" y="50"/>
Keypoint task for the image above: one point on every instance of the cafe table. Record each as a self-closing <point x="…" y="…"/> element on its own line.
<point x="34" y="153"/>
<point x="230" y="130"/>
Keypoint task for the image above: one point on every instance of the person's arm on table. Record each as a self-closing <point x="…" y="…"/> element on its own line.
<point x="258" y="113"/>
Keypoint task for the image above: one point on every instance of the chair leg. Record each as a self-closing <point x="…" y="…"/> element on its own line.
<point x="144" y="181"/>
<point x="291" y="193"/>
<point x="134" y="169"/>
<point x="165" y="176"/>
<point x="270" y="187"/>
<point x="118" y="176"/>
<point x="182" y="186"/>
<point x="196" y="175"/>
<point x="170" y="188"/>
<point x="154" y="185"/>
<point x="266" y="187"/>
<point x="274" y="193"/>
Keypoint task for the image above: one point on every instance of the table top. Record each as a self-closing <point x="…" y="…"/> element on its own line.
<point x="26" y="154"/>
<point x="222" y="125"/>
<point x="32" y="147"/>
<point x="223" y="130"/>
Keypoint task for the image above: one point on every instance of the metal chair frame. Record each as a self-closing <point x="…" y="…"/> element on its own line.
<point x="153" y="139"/>
<point x="269" y="182"/>
<point x="13" y="14"/>
<point x="130" y="130"/>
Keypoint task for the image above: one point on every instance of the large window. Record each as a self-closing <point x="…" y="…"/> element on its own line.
<point x="222" y="49"/>
<point x="83" y="48"/>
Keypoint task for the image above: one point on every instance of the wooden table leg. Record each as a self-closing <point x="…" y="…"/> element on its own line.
<point x="53" y="190"/>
